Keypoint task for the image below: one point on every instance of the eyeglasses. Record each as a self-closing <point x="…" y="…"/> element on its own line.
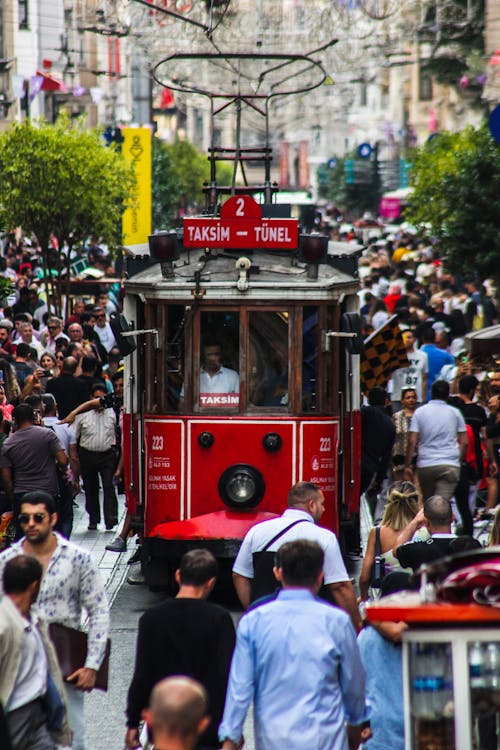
<point x="98" y="317"/>
<point x="24" y="518"/>
<point x="52" y="328"/>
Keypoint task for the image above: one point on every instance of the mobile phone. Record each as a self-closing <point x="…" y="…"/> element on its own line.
<point x="47" y="373"/>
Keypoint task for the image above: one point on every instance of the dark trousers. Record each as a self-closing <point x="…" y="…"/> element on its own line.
<point x="462" y="501"/>
<point x="95" y="464"/>
<point x="28" y="728"/>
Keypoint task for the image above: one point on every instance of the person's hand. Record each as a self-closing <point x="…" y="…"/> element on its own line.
<point x="38" y="373"/>
<point x="493" y="403"/>
<point x="75" y="487"/>
<point x="83" y="679"/>
<point x="493" y="469"/>
<point x="132" y="738"/>
<point x="408" y="474"/>
<point x="354" y="736"/>
<point x="420" y="519"/>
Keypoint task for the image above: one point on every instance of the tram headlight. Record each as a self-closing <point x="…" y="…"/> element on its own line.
<point x="241" y="486"/>
<point x="163" y="246"/>
<point x="313" y="248"/>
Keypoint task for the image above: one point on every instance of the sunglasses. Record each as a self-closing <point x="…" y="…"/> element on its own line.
<point x="24" y="518"/>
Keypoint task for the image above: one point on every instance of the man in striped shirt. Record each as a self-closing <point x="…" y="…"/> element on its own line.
<point x="96" y="435"/>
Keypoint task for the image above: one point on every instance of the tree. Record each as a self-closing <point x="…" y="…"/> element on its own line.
<point x="179" y="171"/>
<point x="456" y="181"/>
<point x="62" y="180"/>
<point x="352" y="198"/>
<point x="165" y="188"/>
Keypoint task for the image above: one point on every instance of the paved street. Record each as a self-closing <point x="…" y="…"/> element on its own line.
<point x="104" y="712"/>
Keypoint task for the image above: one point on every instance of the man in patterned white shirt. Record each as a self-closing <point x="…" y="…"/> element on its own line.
<point x="70" y="585"/>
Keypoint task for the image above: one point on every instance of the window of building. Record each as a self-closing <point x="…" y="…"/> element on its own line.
<point x="425" y="87"/>
<point x="22" y="13"/>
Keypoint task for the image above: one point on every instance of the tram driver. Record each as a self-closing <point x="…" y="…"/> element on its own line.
<point x="219" y="385"/>
<point x="217" y="379"/>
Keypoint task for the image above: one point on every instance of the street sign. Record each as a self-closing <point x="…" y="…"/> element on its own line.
<point x="241" y="227"/>
<point x="494" y="123"/>
<point x="365" y="151"/>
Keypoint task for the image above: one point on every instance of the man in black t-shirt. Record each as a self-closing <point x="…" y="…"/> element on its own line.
<point x="470" y="474"/>
<point x="436" y="515"/>
<point x="184" y="636"/>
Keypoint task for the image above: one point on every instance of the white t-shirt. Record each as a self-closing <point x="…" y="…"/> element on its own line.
<point x="437" y="425"/>
<point x="262" y="533"/>
<point x="412" y="376"/>
<point x="224" y="380"/>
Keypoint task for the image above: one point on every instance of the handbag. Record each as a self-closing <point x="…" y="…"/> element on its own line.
<point x="71" y="650"/>
<point x="378" y="568"/>
<point x="264" y="583"/>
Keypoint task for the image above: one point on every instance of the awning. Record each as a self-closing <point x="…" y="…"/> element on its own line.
<point x="51" y="83"/>
<point x="484" y="341"/>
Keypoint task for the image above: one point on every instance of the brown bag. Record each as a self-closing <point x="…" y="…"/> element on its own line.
<point x="71" y="649"/>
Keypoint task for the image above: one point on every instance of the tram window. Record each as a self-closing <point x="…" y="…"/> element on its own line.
<point x="175" y="321"/>
<point x="268" y="372"/>
<point x="219" y="385"/>
<point x="310" y="360"/>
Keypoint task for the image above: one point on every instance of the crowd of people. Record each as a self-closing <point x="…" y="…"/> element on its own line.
<point x="317" y="675"/>
<point x="435" y="310"/>
<point x="50" y="365"/>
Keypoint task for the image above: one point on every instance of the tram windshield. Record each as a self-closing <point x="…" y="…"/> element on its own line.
<point x="240" y="360"/>
<point x="268" y="371"/>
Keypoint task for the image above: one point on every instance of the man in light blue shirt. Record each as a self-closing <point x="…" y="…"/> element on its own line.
<point x="297" y="658"/>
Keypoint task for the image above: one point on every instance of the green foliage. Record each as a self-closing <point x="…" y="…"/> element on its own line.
<point x="165" y="190"/>
<point x="61" y="179"/>
<point x="456" y="178"/>
<point x="179" y="171"/>
<point x="352" y="200"/>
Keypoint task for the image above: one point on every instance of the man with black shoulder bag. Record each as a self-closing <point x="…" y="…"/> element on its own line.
<point x="252" y="570"/>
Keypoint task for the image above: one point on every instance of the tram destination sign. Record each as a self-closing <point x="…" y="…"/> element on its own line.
<point x="241" y="226"/>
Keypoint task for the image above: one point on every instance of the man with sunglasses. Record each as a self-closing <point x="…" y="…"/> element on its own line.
<point x="55" y="332"/>
<point x="103" y="329"/>
<point x="70" y="585"/>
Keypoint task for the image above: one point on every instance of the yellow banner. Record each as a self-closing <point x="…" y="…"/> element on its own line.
<point x="136" y="220"/>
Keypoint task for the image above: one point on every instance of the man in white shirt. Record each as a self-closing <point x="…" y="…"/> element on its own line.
<point x="414" y="376"/>
<point x="215" y="378"/>
<point x="96" y="431"/>
<point x="439" y="431"/>
<point x="103" y="329"/>
<point x="306" y="505"/>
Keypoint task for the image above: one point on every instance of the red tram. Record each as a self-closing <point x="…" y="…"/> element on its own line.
<point x="245" y="381"/>
<point x="246" y="375"/>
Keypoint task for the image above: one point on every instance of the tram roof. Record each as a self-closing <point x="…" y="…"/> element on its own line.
<point x="219" y="277"/>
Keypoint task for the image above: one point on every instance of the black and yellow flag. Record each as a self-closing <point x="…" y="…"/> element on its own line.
<point x="384" y="353"/>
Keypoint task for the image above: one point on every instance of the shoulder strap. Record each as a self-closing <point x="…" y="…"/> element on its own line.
<point x="283" y="531"/>
<point x="378" y="548"/>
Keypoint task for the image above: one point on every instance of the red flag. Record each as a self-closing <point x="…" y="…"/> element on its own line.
<point x="167" y="99"/>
